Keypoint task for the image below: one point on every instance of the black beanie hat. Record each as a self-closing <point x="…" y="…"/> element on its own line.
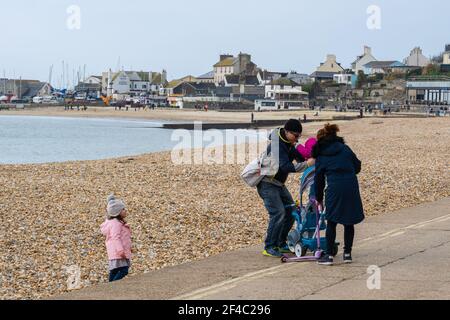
<point x="293" y="125"/>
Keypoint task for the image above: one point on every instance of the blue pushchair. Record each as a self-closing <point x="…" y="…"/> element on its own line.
<point x="309" y="222"/>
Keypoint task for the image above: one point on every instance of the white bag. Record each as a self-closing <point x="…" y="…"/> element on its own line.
<point x="252" y="173"/>
<point x="255" y="171"/>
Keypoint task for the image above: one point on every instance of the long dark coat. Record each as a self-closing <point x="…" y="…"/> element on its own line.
<point x="337" y="165"/>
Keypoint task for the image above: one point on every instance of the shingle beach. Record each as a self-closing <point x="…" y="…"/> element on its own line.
<point x="50" y="214"/>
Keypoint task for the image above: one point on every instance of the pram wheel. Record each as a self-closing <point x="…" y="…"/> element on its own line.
<point x="300" y="251"/>
<point x="293" y="238"/>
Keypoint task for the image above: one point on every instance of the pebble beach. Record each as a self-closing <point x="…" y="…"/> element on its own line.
<point x="50" y="213"/>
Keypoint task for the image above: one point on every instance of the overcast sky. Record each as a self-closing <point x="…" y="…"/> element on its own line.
<point x="186" y="37"/>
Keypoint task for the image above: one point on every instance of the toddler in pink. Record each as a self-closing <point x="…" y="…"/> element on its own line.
<point x="118" y="239"/>
<point x="306" y="150"/>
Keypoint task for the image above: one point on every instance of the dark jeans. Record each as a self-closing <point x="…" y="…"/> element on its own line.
<point x="118" y="274"/>
<point x="349" y="235"/>
<point x="278" y="202"/>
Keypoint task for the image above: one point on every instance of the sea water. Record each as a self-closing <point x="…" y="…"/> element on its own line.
<point x="30" y="139"/>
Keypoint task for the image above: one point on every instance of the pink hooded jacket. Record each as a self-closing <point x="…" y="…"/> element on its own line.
<point x="118" y="239"/>
<point x="306" y="150"/>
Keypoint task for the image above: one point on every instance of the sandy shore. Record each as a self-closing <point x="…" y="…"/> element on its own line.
<point x="175" y="114"/>
<point x="50" y="213"/>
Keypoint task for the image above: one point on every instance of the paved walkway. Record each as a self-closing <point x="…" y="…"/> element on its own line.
<point x="411" y="247"/>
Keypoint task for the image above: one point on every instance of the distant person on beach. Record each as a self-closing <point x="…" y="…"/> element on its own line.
<point x="338" y="166"/>
<point x="118" y="239"/>
<point x="273" y="191"/>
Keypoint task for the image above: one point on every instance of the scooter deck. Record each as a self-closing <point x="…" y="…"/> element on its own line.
<point x="287" y="258"/>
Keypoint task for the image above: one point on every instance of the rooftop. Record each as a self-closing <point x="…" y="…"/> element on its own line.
<point x="284" y="82"/>
<point x="246" y="80"/>
<point x="228" y="62"/>
<point x="323" y="74"/>
<point x="430" y="78"/>
<point x="382" y="64"/>
<point x="209" y="75"/>
<point x="173" y="83"/>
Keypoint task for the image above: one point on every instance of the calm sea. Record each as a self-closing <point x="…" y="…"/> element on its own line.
<point x="32" y="139"/>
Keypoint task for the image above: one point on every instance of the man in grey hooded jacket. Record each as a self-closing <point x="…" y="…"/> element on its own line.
<point x="277" y="198"/>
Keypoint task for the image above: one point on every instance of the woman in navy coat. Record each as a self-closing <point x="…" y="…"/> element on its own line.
<point x="338" y="166"/>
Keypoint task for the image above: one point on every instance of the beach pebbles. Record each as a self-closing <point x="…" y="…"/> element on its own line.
<point x="50" y="214"/>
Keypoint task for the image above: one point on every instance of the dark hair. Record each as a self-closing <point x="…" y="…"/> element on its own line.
<point x="293" y="125"/>
<point x="328" y="131"/>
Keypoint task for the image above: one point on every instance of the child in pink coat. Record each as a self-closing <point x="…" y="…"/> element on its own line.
<point x="306" y="150"/>
<point x="118" y="239"/>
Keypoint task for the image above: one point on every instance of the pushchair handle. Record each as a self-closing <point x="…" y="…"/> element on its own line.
<point x="319" y="206"/>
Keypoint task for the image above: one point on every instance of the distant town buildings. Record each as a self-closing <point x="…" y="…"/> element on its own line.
<point x="233" y="80"/>
<point x="246" y="86"/>
<point x="377" y="67"/>
<point x="362" y="60"/>
<point x="447" y="55"/>
<point x="300" y="78"/>
<point x="429" y="89"/>
<point x="22" y="89"/>
<point x="330" y="65"/>
<point x="284" y="89"/>
<point x="416" y="58"/>
<point x="91" y="87"/>
<point x="347" y="79"/>
<point x="132" y="82"/>
<point x="206" y="78"/>
<point x="236" y="81"/>
<point x="230" y="65"/>
<point x="327" y="69"/>
<point x="266" y="77"/>
<point x="192" y="89"/>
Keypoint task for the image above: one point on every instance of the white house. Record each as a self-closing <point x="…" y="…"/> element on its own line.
<point x="348" y="79"/>
<point x="447" y="58"/>
<point x="284" y="89"/>
<point x="416" y="58"/>
<point x="282" y="94"/>
<point x="132" y="82"/>
<point x="447" y="54"/>
<point x="361" y="61"/>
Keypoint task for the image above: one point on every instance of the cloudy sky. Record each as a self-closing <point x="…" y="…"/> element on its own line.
<point x="187" y="36"/>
